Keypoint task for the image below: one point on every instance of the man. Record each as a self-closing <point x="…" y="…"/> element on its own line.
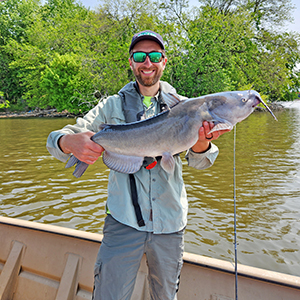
<point x="147" y="211"/>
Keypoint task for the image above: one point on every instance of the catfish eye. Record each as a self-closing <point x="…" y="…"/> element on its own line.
<point x="244" y="100"/>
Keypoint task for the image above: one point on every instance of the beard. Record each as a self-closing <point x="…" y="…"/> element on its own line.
<point x="147" y="80"/>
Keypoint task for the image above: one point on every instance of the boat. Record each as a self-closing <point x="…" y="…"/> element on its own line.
<point x="47" y="262"/>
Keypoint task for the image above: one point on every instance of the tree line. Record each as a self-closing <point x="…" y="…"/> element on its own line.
<point x="57" y="53"/>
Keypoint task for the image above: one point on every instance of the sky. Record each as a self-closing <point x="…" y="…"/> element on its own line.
<point x="295" y="26"/>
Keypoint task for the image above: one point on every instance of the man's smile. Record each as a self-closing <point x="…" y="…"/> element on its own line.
<point x="147" y="72"/>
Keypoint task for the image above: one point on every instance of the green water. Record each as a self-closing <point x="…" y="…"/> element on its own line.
<point x="35" y="186"/>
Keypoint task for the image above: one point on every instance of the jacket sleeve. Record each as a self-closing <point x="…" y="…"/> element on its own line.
<point x="204" y="160"/>
<point x="107" y="111"/>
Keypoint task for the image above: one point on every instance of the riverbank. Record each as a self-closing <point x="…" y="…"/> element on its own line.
<point x="38" y="113"/>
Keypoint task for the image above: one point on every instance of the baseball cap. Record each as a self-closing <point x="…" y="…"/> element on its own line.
<point x="147" y="35"/>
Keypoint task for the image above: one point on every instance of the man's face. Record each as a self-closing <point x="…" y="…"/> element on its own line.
<point x="147" y="73"/>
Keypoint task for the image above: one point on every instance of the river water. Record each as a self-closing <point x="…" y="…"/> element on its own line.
<point x="35" y="186"/>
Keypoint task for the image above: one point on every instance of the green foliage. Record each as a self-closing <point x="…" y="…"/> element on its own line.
<point x="207" y="61"/>
<point x="20" y="106"/>
<point x="57" y="53"/>
<point x="264" y="13"/>
<point x="63" y="83"/>
<point x="3" y="103"/>
<point x="16" y="16"/>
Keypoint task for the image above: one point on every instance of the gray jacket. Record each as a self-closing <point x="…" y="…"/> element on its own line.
<point x="162" y="197"/>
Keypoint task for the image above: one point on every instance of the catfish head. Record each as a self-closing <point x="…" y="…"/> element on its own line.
<point x="229" y="108"/>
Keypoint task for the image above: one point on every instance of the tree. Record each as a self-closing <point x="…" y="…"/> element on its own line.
<point x="276" y="64"/>
<point x="207" y="59"/>
<point x="16" y="16"/>
<point x="65" y="82"/>
<point x="265" y="13"/>
<point x="225" y="48"/>
<point x="59" y="53"/>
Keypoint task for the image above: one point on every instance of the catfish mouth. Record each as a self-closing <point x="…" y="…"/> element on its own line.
<point x="259" y="100"/>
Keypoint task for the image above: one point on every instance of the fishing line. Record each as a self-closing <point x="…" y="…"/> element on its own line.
<point x="234" y="204"/>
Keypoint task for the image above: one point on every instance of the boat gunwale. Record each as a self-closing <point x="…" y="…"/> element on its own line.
<point x="245" y="271"/>
<point x="54" y="229"/>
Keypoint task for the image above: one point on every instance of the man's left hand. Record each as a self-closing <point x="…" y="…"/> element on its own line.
<point x="205" y="137"/>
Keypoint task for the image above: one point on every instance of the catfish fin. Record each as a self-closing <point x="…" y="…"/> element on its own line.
<point x="222" y="126"/>
<point x="122" y="163"/>
<point x="80" y="169"/>
<point x="102" y="126"/>
<point x="80" y="166"/>
<point x="71" y="162"/>
<point x="167" y="162"/>
<point x="170" y="99"/>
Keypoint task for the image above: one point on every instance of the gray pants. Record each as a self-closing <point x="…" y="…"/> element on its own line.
<point x="119" y="259"/>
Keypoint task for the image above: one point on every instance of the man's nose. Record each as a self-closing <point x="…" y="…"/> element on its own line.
<point x="147" y="62"/>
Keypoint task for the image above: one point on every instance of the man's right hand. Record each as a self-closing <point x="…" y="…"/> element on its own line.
<point x="81" y="145"/>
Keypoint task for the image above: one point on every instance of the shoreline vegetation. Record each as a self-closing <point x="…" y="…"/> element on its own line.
<point x="59" y="54"/>
<point x="53" y="113"/>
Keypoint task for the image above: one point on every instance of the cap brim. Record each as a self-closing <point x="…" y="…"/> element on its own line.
<point x="148" y="37"/>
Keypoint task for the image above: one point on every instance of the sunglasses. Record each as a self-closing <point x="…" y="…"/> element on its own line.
<point x="140" y="57"/>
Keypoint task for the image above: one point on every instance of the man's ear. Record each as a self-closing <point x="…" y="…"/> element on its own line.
<point x="130" y="63"/>
<point x="164" y="63"/>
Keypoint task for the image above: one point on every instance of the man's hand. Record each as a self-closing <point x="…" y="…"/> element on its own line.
<point x="205" y="137"/>
<point x="81" y="145"/>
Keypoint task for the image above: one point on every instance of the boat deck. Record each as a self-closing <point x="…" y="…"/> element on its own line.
<point x="47" y="262"/>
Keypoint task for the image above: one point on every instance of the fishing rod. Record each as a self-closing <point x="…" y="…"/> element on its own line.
<point x="234" y="204"/>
